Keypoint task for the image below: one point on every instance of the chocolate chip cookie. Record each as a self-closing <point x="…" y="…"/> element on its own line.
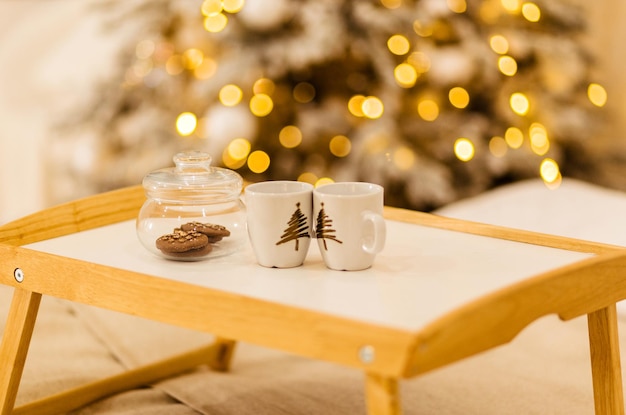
<point x="214" y="232"/>
<point x="184" y="244"/>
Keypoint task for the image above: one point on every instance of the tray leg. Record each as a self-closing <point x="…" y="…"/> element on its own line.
<point x="216" y="355"/>
<point x="605" y="362"/>
<point x="381" y="395"/>
<point x="224" y="350"/>
<point x="14" y="347"/>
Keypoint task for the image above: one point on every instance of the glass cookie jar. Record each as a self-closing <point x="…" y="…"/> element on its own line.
<point x="193" y="211"/>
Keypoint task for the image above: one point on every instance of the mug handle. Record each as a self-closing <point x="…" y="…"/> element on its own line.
<point x="380" y="232"/>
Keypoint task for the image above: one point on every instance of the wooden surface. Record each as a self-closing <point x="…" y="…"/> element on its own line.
<point x="580" y="287"/>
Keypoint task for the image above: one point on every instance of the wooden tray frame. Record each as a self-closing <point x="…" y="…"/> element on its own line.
<point x="385" y="355"/>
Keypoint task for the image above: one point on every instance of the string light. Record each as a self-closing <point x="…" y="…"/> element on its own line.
<point x="355" y="105"/>
<point x="403" y="158"/>
<point x="174" y="65"/>
<point x="499" y="44"/>
<point x="428" y="109"/>
<point x="216" y="23"/>
<point x="514" y="137"/>
<point x="519" y="103"/>
<point x="261" y="105"/>
<point x="372" y="107"/>
<point x="206" y="69"/>
<point x="211" y="7"/>
<point x="457" y="6"/>
<point x="549" y="170"/>
<point x="539" y="142"/>
<point x="398" y="45"/>
<point x="258" y="161"/>
<point x="230" y="95"/>
<point x="597" y="94"/>
<point x="192" y="58"/>
<point x="531" y="12"/>
<point x="405" y="75"/>
<point x="498" y="146"/>
<point x="464" y="149"/>
<point x="511" y="6"/>
<point x="239" y="148"/>
<point x="507" y="65"/>
<point x="323" y="180"/>
<point x="290" y="136"/>
<point x="186" y="123"/>
<point x="391" y="4"/>
<point x="307" y="177"/>
<point x="420" y="61"/>
<point x="303" y="92"/>
<point x="459" y="97"/>
<point x="232" y="6"/>
<point x="264" y="86"/>
<point x="340" y="146"/>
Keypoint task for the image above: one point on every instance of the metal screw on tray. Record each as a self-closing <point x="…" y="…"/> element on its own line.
<point x="18" y="274"/>
<point x="367" y="354"/>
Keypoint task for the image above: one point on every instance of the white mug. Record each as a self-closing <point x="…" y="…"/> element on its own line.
<point x="349" y="225"/>
<point x="279" y="222"/>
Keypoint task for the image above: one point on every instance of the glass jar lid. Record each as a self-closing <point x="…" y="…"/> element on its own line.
<point x="193" y="179"/>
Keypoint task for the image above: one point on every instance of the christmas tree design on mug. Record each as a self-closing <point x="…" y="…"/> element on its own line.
<point x="324" y="229"/>
<point x="297" y="228"/>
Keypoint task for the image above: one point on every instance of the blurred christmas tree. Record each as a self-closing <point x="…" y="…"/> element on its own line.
<point x="434" y="99"/>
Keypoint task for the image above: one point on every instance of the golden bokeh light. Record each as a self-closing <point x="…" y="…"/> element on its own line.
<point x="233" y="6"/>
<point x="264" y="86"/>
<point x="207" y="69"/>
<point x="323" y="180"/>
<point x="507" y="65"/>
<point x="303" y="92"/>
<point x="174" y="65"/>
<point x="405" y="75"/>
<point x="422" y="29"/>
<point x="372" y="107"/>
<point x="519" y="103"/>
<point x="459" y="97"/>
<point x="230" y="95"/>
<point x="428" y="109"/>
<point x="499" y="44"/>
<point x="549" y="170"/>
<point x="290" y="136"/>
<point x="307" y="177"/>
<point x="531" y="12"/>
<point x="231" y="162"/>
<point x="355" y="105"/>
<point x="186" y="123"/>
<point x="258" y="161"/>
<point x="403" y="158"/>
<point x="457" y="6"/>
<point x="211" y="7"/>
<point x="192" y="58"/>
<point x="498" y="146"/>
<point x="420" y="61"/>
<point x="539" y="142"/>
<point x="340" y="146"/>
<point x="398" y="45"/>
<point x="464" y="149"/>
<point x="597" y="94"/>
<point x="215" y="24"/>
<point x="391" y="4"/>
<point x="511" y="6"/>
<point x="239" y="148"/>
<point x="514" y="137"/>
<point x="261" y="105"/>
